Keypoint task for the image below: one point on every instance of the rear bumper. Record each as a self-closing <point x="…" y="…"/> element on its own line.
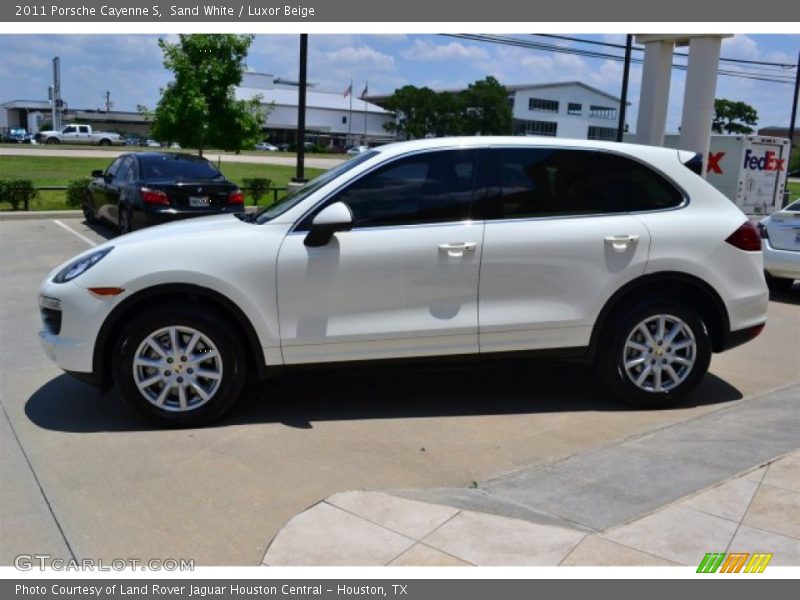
<point x="741" y="336"/>
<point x="781" y="263"/>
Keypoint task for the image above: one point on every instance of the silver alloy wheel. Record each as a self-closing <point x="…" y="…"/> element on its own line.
<point x="177" y="368"/>
<point x="659" y="353"/>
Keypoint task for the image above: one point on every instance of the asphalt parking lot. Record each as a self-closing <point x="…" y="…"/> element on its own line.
<point x="83" y="477"/>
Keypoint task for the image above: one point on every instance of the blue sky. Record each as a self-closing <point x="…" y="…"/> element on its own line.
<point x="130" y="67"/>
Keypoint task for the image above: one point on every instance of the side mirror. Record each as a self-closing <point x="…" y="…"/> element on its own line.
<point x="333" y="218"/>
<point x="97" y="174"/>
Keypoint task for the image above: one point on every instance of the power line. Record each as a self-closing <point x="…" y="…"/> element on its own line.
<point x="511" y="41"/>
<point x="684" y="54"/>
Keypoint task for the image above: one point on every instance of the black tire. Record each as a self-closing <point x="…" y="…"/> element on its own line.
<point x="778" y="284"/>
<point x="105" y="142"/>
<point x="208" y="324"/>
<point x="125" y="219"/>
<point x="88" y="209"/>
<point x="52" y="140"/>
<point x="611" y="354"/>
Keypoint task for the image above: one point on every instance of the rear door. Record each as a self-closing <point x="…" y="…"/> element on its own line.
<point x="556" y="247"/>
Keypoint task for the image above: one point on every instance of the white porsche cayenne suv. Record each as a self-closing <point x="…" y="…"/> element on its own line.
<point x="486" y="247"/>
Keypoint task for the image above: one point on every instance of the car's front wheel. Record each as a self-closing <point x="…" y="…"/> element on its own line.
<point x="88" y="209"/>
<point x="654" y="353"/>
<point x="179" y="365"/>
<point x="125" y="219"/>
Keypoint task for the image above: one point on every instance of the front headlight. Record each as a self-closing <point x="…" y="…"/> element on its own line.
<point x="80" y="266"/>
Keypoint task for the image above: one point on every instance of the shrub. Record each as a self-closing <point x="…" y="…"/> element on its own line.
<point x="76" y="191"/>
<point x="257" y="187"/>
<point x="17" y="191"/>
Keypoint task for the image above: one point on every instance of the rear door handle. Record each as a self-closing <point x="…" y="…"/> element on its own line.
<point x="620" y="243"/>
<point x="457" y="249"/>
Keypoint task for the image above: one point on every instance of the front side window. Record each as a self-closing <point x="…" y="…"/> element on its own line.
<point x="70" y="129"/>
<point x="434" y="187"/>
<point x="112" y="169"/>
<point x="541" y="182"/>
<point x="637" y="187"/>
<point x="124" y="169"/>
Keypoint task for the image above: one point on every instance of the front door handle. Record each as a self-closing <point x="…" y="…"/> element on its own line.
<point x="457" y="249"/>
<point x="620" y="243"/>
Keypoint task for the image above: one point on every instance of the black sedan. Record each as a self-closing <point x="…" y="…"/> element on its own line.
<point x="147" y="188"/>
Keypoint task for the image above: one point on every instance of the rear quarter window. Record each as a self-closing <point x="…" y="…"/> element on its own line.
<point x="636" y="187"/>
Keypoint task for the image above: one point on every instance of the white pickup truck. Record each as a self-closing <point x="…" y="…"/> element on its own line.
<point x="79" y="134"/>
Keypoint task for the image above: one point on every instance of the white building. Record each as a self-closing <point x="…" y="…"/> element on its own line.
<point x="331" y="117"/>
<point x="569" y="110"/>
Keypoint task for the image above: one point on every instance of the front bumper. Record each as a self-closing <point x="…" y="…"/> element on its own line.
<point x="82" y="314"/>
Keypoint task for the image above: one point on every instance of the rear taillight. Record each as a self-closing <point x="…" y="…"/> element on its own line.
<point x="153" y="196"/>
<point x="745" y="238"/>
<point x="236" y="197"/>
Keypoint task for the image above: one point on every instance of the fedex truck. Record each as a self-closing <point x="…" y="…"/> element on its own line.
<point x="749" y="169"/>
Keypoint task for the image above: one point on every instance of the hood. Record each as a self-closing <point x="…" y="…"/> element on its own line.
<point x="187" y="227"/>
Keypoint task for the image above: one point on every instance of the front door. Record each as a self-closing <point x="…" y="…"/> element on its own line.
<point x="403" y="282"/>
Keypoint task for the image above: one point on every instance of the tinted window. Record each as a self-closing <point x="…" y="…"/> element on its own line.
<point x="112" y="169"/>
<point x="635" y="186"/>
<point x="124" y="169"/>
<point x="533" y="182"/>
<point x="177" y="167"/>
<point x="433" y="187"/>
<point x="296" y="197"/>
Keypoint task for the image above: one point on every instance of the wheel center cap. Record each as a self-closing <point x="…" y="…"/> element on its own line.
<point x="178" y="368"/>
<point x="659" y="352"/>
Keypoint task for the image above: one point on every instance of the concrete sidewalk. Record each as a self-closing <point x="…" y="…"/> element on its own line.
<point x="727" y="481"/>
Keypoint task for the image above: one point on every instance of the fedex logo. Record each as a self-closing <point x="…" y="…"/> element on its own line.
<point x="768" y="162"/>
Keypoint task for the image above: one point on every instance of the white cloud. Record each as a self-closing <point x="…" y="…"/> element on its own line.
<point x="424" y="50"/>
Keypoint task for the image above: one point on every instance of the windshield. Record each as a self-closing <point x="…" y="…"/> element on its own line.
<point x="794" y="206"/>
<point x="291" y="200"/>
<point x="177" y="167"/>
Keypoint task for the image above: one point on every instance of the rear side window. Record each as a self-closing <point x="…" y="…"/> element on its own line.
<point x="535" y="182"/>
<point x="636" y="187"/>
<point x="434" y="187"/>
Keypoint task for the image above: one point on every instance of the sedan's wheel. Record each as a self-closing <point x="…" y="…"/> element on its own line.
<point x="88" y="209"/>
<point x="656" y="353"/>
<point x="180" y="366"/>
<point x="125" y="220"/>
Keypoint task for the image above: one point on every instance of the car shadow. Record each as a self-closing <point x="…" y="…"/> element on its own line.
<point x="102" y="229"/>
<point x="790" y="296"/>
<point x="299" y="400"/>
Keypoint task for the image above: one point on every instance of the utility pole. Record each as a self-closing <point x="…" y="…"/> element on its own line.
<point x="301" y="112"/>
<point x="625" y="74"/>
<point x="108" y="101"/>
<point x="792" y="123"/>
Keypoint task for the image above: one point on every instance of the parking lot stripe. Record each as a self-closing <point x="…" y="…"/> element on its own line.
<point x="75" y="233"/>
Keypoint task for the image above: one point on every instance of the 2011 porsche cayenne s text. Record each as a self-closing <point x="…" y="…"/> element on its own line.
<point x="488" y="246"/>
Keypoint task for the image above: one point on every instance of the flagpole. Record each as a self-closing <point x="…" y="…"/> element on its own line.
<point x="350" y="117"/>
<point x="364" y="100"/>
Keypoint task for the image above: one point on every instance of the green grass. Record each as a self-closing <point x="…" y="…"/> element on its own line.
<point x="56" y="170"/>
<point x="794" y="189"/>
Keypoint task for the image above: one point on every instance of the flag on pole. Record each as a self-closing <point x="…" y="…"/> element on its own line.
<point x="363" y="95"/>
<point x="348" y="91"/>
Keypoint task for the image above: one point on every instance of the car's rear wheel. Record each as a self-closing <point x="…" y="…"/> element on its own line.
<point x="179" y="365"/>
<point x="125" y="219"/>
<point x="654" y="353"/>
<point x="105" y="142"/>
<point x="88" y="208"/>
<point x="52" y="140"/>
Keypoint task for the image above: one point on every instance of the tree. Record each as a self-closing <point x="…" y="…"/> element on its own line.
<point x="733" y="117"/>
<point x="487" y="110"/>
<point x="482" y="109"/>
<point x="198" y="109"/>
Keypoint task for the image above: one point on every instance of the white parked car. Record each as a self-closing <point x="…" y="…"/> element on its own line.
<point x="780" y="240"/>
<point x="617" y="254"/>
<point x="266" y="146"/>
<point x="356" y="150"/>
